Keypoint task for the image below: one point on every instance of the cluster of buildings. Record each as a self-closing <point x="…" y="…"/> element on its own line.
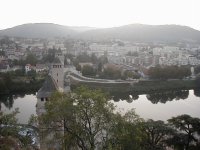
<point x="146" y="56"/>
<point x="126" y="53"/>
<point x="15" y="49"/>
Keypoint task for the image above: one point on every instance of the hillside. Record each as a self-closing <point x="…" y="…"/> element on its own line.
<point x="133" y="32"/>
<point x="146" y="33"/>
<point x="39" y="30"/>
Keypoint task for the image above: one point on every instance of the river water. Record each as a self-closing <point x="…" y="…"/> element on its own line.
<point x="160" y="105"/>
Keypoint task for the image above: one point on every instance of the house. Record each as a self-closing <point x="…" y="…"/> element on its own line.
<point x="28" y="68"/>
<point x="40" y="68"/>
<point x="4" y="65"/>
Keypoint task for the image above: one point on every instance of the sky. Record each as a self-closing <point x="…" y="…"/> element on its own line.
<point x="100" y="13"/>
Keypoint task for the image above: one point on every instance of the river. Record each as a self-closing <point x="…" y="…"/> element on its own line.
<point x="160" y="105"/>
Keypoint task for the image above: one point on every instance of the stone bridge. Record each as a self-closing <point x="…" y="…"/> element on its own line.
<point x="72" y="76"/>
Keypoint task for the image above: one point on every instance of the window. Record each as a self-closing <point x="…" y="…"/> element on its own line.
<point x="42" y="99"/>
<point x="57" y="81"/>
<point x="57" y="74"/>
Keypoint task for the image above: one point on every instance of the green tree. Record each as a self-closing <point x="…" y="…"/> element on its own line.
<point x="169" y="72"/>
<point x="8" y="131"/>
<point x="197" y="69"/>
<point x="84" y="115"/>
<point x="111" y="73"/>
<point x="126" y="132"/>
<point x="31" y="59"/>
<point x="78" y="67"/>
<point x="94" y="58"/>
<point x="88" y="70"/>
<point x="189" y="126"/>
<point x="155" y="134"/>
<point x="100" y="66"/>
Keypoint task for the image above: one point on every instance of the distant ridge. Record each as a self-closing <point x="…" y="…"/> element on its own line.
<point x="38" y="30"/>
<point x="132" y="32"/>
<point x="146" y="33"/>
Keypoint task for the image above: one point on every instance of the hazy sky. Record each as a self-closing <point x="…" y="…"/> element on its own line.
<point x="100" y="13"/>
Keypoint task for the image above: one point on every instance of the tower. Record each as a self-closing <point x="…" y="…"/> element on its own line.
<point x="57" y="73"/>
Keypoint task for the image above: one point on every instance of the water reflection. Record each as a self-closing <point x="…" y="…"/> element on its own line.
<point x="163" y="97"/>
<point x="197" y="92"/>
<point x="8" y="100"/>
<point x="24" y="101"/>
<point x="154" y="97"/>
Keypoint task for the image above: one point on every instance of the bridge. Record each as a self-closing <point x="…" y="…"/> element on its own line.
<point x="74" y="76"/>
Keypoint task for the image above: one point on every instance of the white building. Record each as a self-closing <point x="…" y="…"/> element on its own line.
<point x="27" y="68"/>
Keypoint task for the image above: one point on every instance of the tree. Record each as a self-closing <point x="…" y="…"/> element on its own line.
<point x="88" y="70"/>
<point x="111" y="73"/>
<point x="94" y="58"/>
<point x="100" y="66"/>
<point x="126" y="132"/>
<point x="84" y="115"/>
<point x="169" y="72"/>
<point x="31" y="59"/>
<point x="78" y="67"/>
<point x="8" y="132"/>
<point x="155" y="134"/>
<point x="197" y="69"/>
<point x="189" y="126"/>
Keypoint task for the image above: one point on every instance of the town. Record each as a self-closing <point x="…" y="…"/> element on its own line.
<point x="122" y="55"/>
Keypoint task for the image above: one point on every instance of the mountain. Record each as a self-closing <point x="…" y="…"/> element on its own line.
<point x="81" y="28"/>
<point x="39" y="30"/>
<point x="146" y="33"/>
<point x="133" y="32"/>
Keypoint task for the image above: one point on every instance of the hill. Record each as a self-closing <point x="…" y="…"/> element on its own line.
<point x="39" y="30"/>
<point x="133" y="32"/>
<point x="146" y="33"/>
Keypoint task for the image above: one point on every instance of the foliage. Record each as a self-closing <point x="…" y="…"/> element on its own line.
<point x="85" y="119"/>
<point x="88" y="70"/>
<point x="9" y="132"/>
<point x="15" y="82"/>
<point x="197" y="69"/>
<point x="165" y="96"/>
<point x="197" y="80"/>
<point x="8" y="129"/>
<point x="50" y="56"/>
<point x="33" y="120"/>
<point x="130" y="74"/>
<point x="31" y="59"/>
<point x="155" y="134"/>
<point x="85" y="116"/>
<point x="84" y="58"/>
<point x="78" y="67"/>
<point x="8" y="119"/>
<point x="126" y="131"/>
<point x="169" y="72"/>
<point x="111" y="73"/>
<point x="190" y="128"/>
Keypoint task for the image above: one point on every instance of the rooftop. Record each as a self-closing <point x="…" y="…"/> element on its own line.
<point x="47" y="88"/>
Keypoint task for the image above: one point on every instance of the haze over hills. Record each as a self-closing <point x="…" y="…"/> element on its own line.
<point x="146" y="33"/>
<point x="39" y="30"/>
<point x="133" y="32"/>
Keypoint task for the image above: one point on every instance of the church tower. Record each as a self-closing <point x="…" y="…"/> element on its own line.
<point x="57" y="73"/>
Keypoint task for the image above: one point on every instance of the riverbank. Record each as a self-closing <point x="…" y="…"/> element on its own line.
<point x="141" y="86"/>
<point x="20" y="86"/>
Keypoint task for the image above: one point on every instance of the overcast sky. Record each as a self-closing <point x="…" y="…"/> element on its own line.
<point x="100" y="13"/>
